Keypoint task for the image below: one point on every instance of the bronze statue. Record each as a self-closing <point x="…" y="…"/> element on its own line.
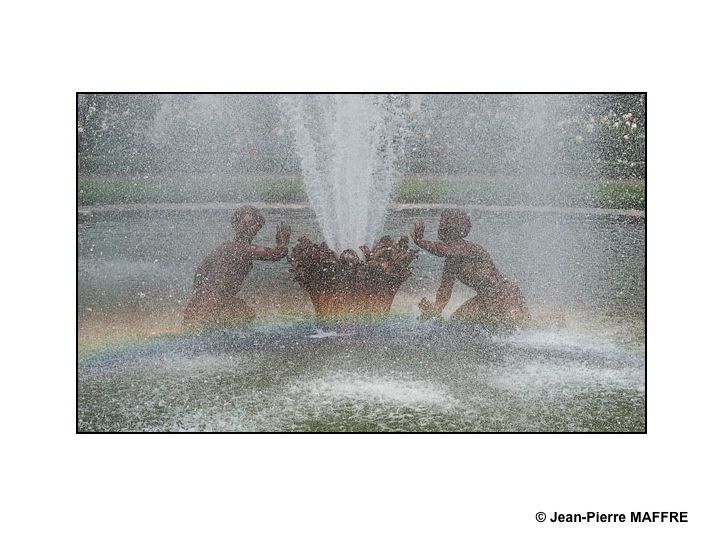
<point x="346" y="287"/>
<point x="219" y="276"/>
<point x="498" y="302"/>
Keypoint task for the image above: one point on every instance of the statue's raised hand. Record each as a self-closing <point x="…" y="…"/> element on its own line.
<point x="283" y="234"/>
<point x="419" y="232"/>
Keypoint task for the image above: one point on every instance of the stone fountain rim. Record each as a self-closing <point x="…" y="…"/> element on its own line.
<point x="570" y="210"/>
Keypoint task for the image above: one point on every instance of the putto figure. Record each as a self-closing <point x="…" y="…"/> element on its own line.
<point x="498" y="302"/>
<point x="219" y="276"/>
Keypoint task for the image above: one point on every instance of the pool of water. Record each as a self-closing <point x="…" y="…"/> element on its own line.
<point x="579" y="367"/>
<point x="395" y="375"/>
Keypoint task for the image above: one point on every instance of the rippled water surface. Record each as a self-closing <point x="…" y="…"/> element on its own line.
<point x="395" y="375"/>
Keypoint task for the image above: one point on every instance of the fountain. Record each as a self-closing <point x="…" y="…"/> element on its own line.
<point x="159" y="179"/>
<point x="348" y="146"/>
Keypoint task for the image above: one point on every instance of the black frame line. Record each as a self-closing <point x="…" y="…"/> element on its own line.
<point x="77" y="285"/>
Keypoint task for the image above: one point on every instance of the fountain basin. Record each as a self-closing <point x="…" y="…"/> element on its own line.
<point x="135" y="373"/>
<point x="394" y="375"/>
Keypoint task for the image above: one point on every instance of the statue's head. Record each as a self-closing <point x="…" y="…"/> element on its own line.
<point x="454" y="225"/>
<point x="247" y="221"/>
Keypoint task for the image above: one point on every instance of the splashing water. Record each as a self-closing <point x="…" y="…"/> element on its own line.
<point x="348" y="147"/>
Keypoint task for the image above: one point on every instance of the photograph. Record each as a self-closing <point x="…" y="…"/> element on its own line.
<point x="334" y="271"/>
<point x="361" y="262"/>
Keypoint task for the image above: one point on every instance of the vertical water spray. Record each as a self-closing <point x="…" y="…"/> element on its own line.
<point x="348" y="147"/>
